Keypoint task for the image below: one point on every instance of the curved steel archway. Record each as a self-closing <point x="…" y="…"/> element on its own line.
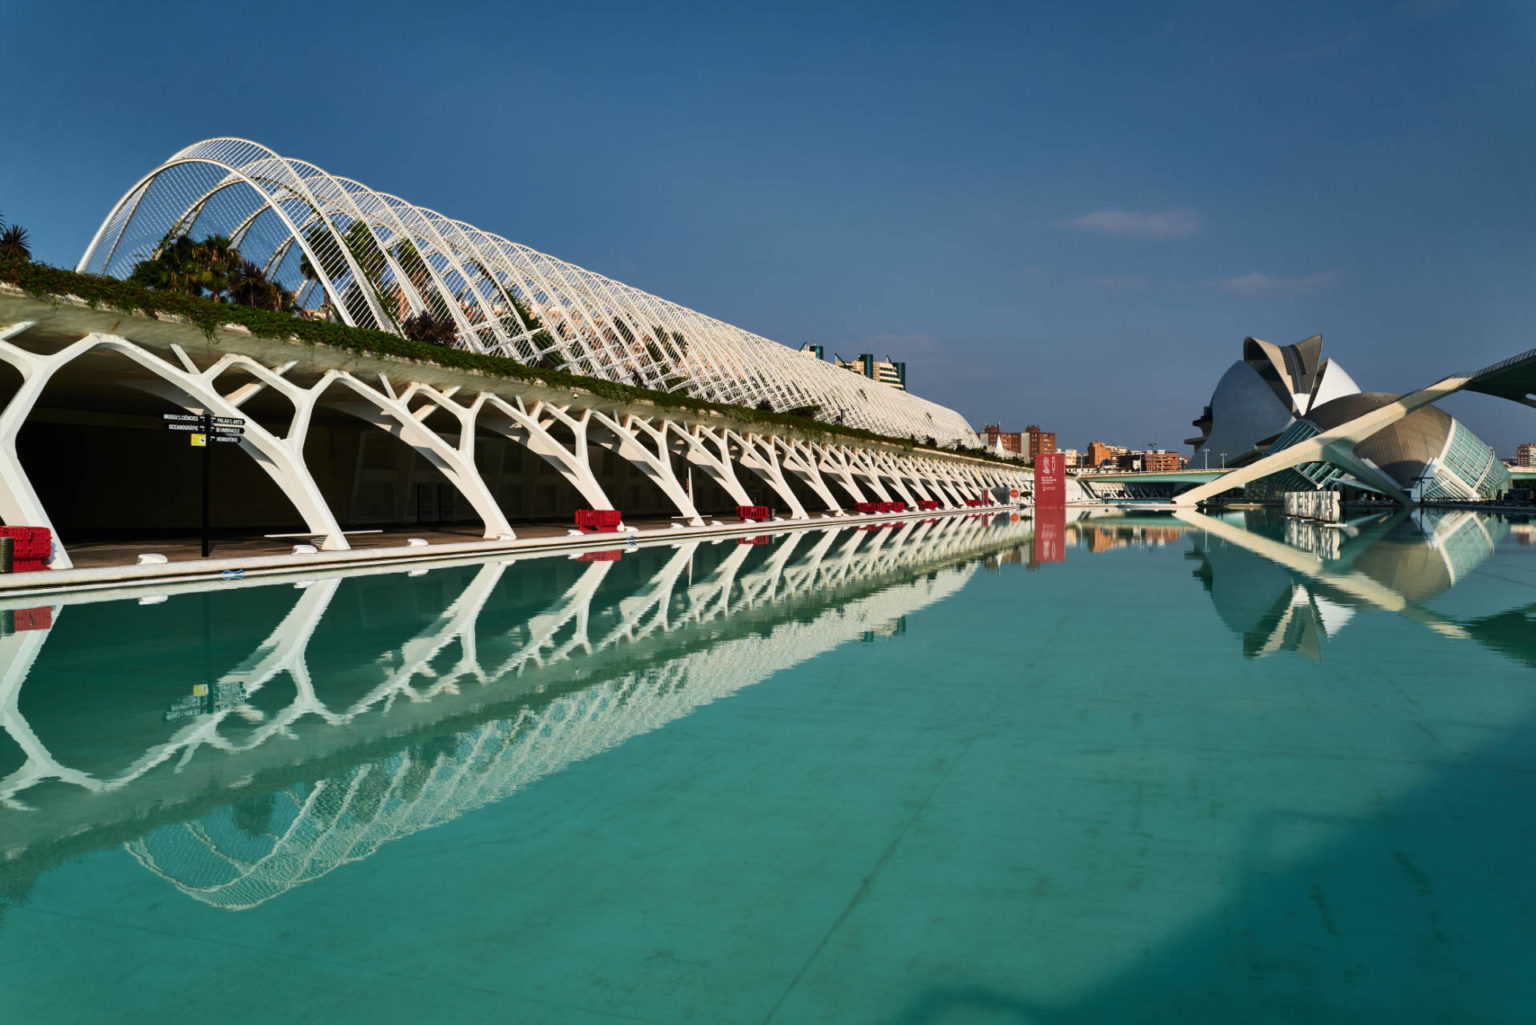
<point x="369" y="259"/>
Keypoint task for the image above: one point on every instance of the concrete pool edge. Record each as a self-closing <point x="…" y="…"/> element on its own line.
<point x="18" y="589"/>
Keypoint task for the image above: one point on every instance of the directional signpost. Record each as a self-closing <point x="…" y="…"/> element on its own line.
<point x="203" y="428"/>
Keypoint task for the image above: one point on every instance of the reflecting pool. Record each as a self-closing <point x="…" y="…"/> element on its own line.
<point x="1127" y="769"/>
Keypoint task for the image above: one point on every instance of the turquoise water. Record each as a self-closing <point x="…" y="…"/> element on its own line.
<point x="1217" y="771"/>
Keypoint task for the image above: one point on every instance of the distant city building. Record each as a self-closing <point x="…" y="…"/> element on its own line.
<point x="1041" y="443"/>
<point x="885" y="371"/>
<point x="1099" y="454"/>
<point x="1012" y="441"/>
<point x="819" y="351"/>
<point x="1160" y="461"/>
<point x="1525" y="455"/>
<point x="1072" y="457"/>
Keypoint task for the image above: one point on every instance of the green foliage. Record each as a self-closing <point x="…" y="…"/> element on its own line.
<point x="250" y="286"/>
<point x="14" y="244"/>
<point x="424" y="327"/>
<point x="41" y="280"/>
<point x="193" y="268"/>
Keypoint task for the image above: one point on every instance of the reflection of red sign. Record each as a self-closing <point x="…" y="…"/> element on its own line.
<point x="1050" y="533"/>
<point x="1051" y="480"/>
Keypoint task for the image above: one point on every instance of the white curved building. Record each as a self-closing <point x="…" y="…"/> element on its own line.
<point x="369" y="259"/>
<point x="1261" y="395"/>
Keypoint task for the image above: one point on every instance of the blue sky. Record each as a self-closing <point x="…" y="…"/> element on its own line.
<point x="1065" y="214"/>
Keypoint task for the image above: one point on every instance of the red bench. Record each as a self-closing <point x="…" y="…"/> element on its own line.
<point x="754" y="513"/>
<point x="599" y="520"/>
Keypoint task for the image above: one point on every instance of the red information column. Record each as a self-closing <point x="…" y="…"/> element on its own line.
<point x="1050" y="508"/>
<point x="1051" y="481"/>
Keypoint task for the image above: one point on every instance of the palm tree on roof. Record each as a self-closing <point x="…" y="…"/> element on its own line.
<point x="14" y="244"/>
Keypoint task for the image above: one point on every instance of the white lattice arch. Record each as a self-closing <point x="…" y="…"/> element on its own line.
<point x="354" y="240"/>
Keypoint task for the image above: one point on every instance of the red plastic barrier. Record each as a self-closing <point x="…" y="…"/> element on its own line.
<point x="29" y="544"/>
<point x="928" y="504"/>
<point x="610" y="555"/>
<point x="756" y="513"/>
<point x="868" y="507"/>
<point x="894" y="506"/>
<point x="599" y="519"/>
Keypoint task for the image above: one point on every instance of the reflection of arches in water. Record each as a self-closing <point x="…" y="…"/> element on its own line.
<point x="730" y="623"/>
<point x="1280" y="597"/>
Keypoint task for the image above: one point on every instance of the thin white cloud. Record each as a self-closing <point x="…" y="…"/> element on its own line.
<point x="1258" y="283"/>
<point x="1131" y="224"/>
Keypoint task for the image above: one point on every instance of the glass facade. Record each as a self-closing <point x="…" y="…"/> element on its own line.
<point x="1475" y="463"/>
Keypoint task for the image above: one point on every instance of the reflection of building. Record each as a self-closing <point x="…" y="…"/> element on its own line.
<point x="1107" y="535"/>
<point x="359" y="709"/>
<point x="1281" y="597"/>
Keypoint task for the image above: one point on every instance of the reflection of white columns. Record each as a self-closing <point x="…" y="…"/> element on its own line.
<point x="574" y="607"/>
<point x="283" y="652"/>
<point x="655" y="599"/>
<point x="456" y="626"/>
<point x="575" y="624"/>
<point x="712" y="596"/>
<point x="17" y="653"/>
